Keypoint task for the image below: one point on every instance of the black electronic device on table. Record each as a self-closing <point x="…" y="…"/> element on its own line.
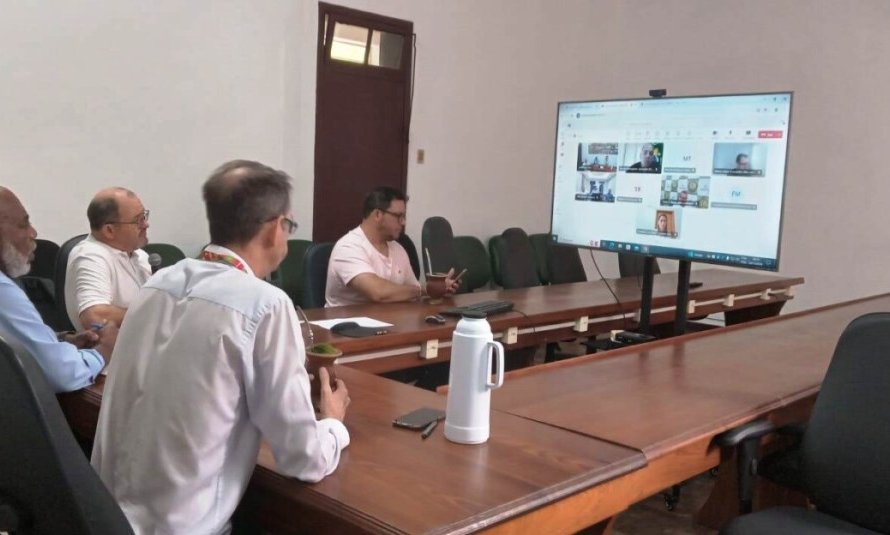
<point x="487" y="308"/>
<point x="419" y="418"/>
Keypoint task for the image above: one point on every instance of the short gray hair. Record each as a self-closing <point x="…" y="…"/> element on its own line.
<point x="242" y="195"/>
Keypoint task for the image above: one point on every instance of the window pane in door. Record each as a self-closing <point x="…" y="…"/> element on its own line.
<point x="349" y="43"/>
<point x="386" y="50"/>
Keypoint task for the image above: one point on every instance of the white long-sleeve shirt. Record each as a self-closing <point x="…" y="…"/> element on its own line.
<point x="210" y="360"/>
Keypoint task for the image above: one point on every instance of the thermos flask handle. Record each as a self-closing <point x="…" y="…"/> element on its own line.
<point x="495" y="347"/>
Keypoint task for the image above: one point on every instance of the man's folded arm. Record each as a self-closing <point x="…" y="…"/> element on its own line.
<point x="91" y="279"/>
<point x="99" y="314"/>
<point x="380" y="290"/>
<point x="66" y="368"/>
<point x="278" y="400"/>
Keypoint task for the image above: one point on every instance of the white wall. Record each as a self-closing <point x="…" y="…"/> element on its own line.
<point x="153" y="96"/>
<point x="149" y="96"/>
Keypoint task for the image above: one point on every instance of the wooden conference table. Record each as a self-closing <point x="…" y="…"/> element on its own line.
<point x="571" y="446"/>
<point x="551" y="313"/>
<point x="669" y="399"/>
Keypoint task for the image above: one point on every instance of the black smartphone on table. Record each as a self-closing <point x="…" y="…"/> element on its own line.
<point x="419" y="418"/>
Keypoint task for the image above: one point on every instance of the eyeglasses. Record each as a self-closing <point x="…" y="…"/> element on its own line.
<point x="291" y="224"/>
<point x="141" y="219"/>
<point x="402" y="217"/>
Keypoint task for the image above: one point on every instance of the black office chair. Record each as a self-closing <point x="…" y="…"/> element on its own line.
<point x="46" y="483"/>
<point x="315" y="273"/>
<point x="289" y="276"/>
<point x="541" y="247"/>
<point x="63" y="323"/>
<point x="406" y="242"/>
<point x="557" y="264"/>
<point x="471" y="254"/>
<point x="843" y="452"/>
<point x="170" y="254"/>
<point x="514" y="260"/>
<point x="38" y="282"/>
<point x="44" y="263"/>
<point x="438" y="238"/>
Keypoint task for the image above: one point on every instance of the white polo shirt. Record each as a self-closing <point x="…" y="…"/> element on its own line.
<point x="353" y="255"/>
<point x="99" y="274"/>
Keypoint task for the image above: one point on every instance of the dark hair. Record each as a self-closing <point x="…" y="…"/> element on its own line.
<point x="240" y="196"/>
<point x="740" y="156"/>
<point x="102" y="211"/>
<point x="104" y="208"/>
<point x="380" y="199"/>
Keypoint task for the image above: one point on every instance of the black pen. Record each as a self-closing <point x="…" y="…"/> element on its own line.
<point x="429" y="429"/>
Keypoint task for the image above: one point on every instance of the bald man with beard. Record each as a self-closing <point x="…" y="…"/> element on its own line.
<point x="71" y="361"/>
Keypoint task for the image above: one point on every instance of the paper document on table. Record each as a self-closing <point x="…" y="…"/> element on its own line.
<point x="362" y="322"/>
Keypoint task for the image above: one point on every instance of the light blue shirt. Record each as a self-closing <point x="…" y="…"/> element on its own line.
<point x="66" y="368"/>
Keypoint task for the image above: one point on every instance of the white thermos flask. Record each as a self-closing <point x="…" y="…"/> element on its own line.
<point x="469" y="380"/>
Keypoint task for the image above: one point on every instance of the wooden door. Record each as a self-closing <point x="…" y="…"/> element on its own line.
<point x="362" y="113"/>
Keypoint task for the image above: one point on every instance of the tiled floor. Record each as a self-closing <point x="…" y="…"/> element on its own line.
<point x="650" y="517"/>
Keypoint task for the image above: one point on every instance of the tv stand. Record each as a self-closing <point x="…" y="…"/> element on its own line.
<point x="682" y="309"/>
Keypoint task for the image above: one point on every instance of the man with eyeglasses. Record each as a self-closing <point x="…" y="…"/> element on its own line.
<point x="107" y="269"/>
<point x="368" y="264"/>
<point x="210" y="362"/>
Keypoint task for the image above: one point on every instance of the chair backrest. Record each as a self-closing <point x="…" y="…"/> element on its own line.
<point x="289" y="275"/>
<point x="438" y="238"/>
<point x="557" y="264"/>
<point x="631" y="265"/>
<point x="541" y="247"/>
<point x="315" y="273"/>
<point x="411" y="249"/>
<point x="564" y="264"/>
<point x="46" y="483"/>
<point x="44" y="263"/>
<point x="170" y="254"/>
<point x="844" y="449"/>
<point x="472" y="256"/>
<point x="62" y="321"/>
<point x="38" y="284"/>
<point x="513" y="256"/>
<point x="494" y="244"/>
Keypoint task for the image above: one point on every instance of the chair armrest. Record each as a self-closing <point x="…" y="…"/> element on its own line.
<point x="749" y="431"/>
<point x="746" y="440"/>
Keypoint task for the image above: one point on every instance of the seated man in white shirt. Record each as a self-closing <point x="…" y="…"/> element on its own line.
<point x="107" y="269"/>
<point x="367" y="265"/>
<point x="209" y="362"/>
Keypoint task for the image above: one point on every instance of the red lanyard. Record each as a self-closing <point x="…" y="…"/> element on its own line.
<point x="223" y="259"/>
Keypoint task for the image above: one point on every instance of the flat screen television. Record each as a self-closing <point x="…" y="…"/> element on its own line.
<point x="691" y="178"/>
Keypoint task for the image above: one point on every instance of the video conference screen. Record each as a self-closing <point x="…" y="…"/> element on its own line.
<point x="694" y="178"/>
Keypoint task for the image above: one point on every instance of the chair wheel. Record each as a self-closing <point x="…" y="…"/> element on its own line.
<point x="671" y="497"/>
